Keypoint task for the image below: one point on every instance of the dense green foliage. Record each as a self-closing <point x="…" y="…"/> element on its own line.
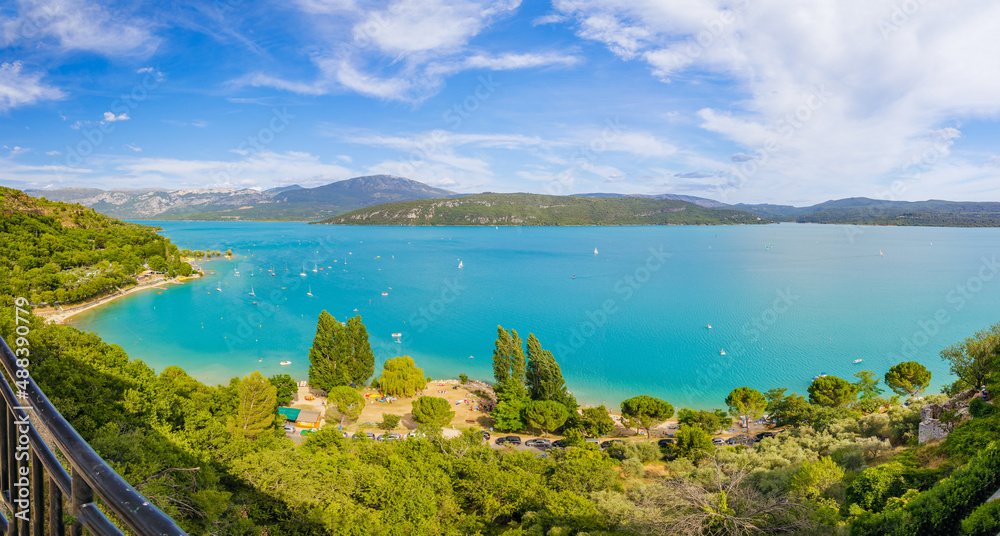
<point x="432" y="411"/>
<point x="831" y="391"/>
<point x="58" y="253"/>
<point x="340" y="354"/>
<point x="345" y="402"/>
<point x="535" y="209"/>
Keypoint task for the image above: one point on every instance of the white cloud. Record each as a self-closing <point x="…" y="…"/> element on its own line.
<point x="403" y="51"/>
<point x="835" y="97"/>
<point x="548" y="19"/>
<point x="53" y="153"/>
<point x="133" y="147"/>
<point x="80" y="25"/>
<point x="18" y="88"/>
<point x="111" y="117"/>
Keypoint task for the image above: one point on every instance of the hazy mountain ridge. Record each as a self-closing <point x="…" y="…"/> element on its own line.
<point x="283" y="203"/>
<point x="866" y="211"/>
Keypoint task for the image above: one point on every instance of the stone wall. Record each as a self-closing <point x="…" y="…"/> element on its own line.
<point x="931" y="428"/>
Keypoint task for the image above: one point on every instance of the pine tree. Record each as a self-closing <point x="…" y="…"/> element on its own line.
<point x="257" y="403"/>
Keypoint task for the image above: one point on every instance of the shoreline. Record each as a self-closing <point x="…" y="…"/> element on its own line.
<point x="60" y="316"/>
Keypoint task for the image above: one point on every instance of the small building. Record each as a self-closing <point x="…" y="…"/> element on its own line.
<point x="308" y="419"/>
<point x="290" y="414"/>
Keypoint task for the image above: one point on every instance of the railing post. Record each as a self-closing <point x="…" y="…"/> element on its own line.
<point x="11" y="439"/>
<point x="37" y="496"/>
<point x="56" y="527"/>
<point x="82" y="494"/>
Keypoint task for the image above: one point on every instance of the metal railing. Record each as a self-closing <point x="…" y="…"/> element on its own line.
<point x="29" y="471"/>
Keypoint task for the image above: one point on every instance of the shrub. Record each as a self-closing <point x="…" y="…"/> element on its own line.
<point x="648" y="452"/>
<point x="978" y="408"/>
<point x="632" y="467"/>
<point x="463" y="378"/>
<point x="983" y="521"/>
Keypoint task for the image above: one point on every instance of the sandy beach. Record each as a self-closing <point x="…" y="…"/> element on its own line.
<point x="61" y="315"/>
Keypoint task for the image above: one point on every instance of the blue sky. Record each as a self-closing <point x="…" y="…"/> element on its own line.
<point x="737" y="100"/>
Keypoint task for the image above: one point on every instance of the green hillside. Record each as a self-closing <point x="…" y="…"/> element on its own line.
<point x="864" y="211"/>
<point x="57" y="252"/>
<point x="535" y="209"/>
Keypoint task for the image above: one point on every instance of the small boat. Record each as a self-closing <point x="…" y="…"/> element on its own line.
<point x="397" y="335"/>
<point x="251" y="291"/>
<point x="310" y="293"/>
<point x="722" y="352"/>
<point x="856" y="361"/>
<point x="385" y="293"/>
<point x="595" y="251"/>
<point x="355" y="310"/>
<point x="219" y="288"/>
<point x="303" y="274"/>
<point x="710" y="326"/>
<point x="285" y="363"/>
<point x="460" y="265"/>
<point x="314" y="267"/>
<point x="880" y="254"/>
<point x="237" y="272"/>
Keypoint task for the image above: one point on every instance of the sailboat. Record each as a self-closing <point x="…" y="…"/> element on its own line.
<point x="722" y="352"/>
<point x="251" y="291"/>
<point x="595" y="251"/>
<point x="460" y="265"/>
<point x="310" y="293"/>
<point x="219" y="287"/>
<point x="303" y="274"/>
<point x="314" y="267"/>
<point x="237" y="272"/>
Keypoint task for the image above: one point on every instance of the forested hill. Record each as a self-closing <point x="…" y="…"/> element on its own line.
<point x="58" y="252"/>
<point x="535" y="209"/>
<point x="865" y="211"/>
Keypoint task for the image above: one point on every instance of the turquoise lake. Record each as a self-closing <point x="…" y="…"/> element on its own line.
<point x="785" y="302"/>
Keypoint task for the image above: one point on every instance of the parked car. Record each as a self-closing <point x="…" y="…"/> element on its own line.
<point x="347" y="435"/>
<point x="486" y="435"/>
<point x="367" y="435"/>
<point x="391" y="436"/>
<point x="289" y="429"/>
<point x="718" y="441"/>
<point x="538" y="443"/>
<point x="559" y="444"/>
<point x="608" y="443"/>
<point x="380" y="437"/>
<point x="416" y="434"/>
<point x="664" y="442"/>
<point x="739" y="440"/>
<point x="762" y="435"/>
<point x="512" y="439"/>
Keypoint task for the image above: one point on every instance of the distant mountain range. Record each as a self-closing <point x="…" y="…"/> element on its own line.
<point x="284" y="203"/>
<point x="535" y="209"/>
<point x="865" y="211"/>
<point x="296" y="203"/>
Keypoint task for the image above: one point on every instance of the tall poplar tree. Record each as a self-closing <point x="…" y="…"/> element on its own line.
<point x="509" y="366"/>
<point x="330" y="345"/>
<point x="544" y="377"/>
<point x="361" y="358"/>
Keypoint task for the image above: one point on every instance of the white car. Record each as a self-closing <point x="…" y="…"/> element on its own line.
<point x="289" y="429"/>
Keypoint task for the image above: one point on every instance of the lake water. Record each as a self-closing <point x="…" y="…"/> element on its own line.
<point x="785" y="302"/>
